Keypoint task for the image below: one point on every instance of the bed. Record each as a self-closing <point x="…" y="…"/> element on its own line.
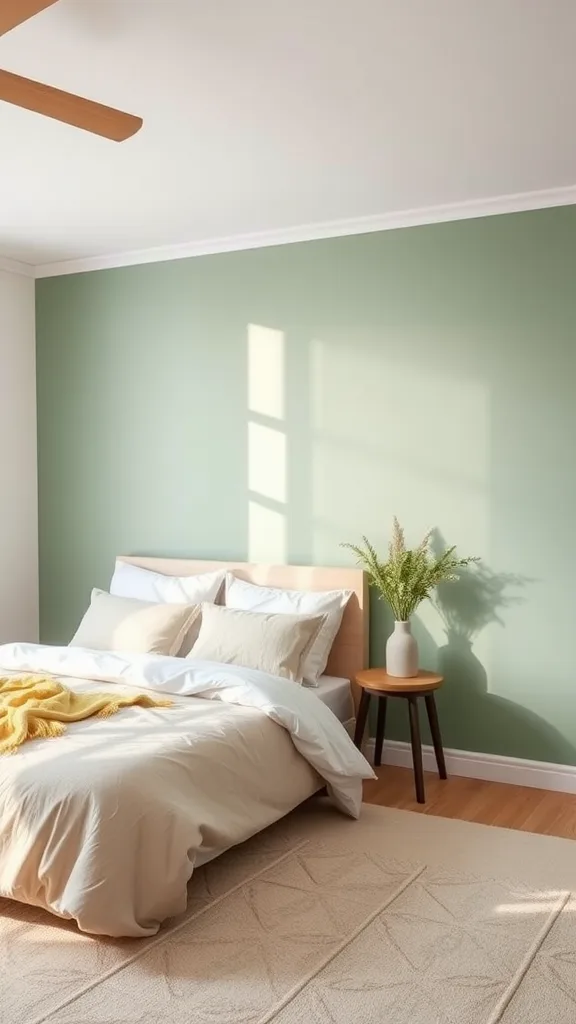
<point x="105" y="825"/>
<point x="337" y="694"/>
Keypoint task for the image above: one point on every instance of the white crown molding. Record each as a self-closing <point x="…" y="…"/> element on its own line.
<point x="311" y="232"/>
<point x="491" y="767"/>
<point x="15" y="267"/>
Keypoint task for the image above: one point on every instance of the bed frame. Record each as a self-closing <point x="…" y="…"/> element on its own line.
<point x="349" y="653"/>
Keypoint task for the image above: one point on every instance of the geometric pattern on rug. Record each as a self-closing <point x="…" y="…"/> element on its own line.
<point x="448" y="950"/>
<point x="44" y="960"/>
<point x="548" y="992"/>
<point x="240" y="957"/>
<point x="308" y="932"/>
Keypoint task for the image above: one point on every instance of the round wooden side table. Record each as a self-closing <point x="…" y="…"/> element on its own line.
<point x="375" y="682"/>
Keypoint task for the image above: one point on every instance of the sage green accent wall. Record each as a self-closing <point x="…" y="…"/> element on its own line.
<point x="272" y="403"/>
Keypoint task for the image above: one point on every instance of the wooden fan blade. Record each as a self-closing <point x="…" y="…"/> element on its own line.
<point x="65" y="106"/>
<point x="14" y="12"/>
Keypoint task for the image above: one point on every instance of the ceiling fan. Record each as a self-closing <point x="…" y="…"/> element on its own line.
<point x="44" y="99"/>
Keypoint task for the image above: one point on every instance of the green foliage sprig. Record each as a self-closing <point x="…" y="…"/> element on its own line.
<point x="408" y="576"/>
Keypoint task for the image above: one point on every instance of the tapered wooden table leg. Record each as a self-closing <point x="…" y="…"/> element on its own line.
<point x="436" y="735"/>
<point x="416" y="748"/>
<point x="362" y="718"/>
<point x="380" y="729"/>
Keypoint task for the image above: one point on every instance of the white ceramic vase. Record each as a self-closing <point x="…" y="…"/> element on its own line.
<point x="402" y="652"/>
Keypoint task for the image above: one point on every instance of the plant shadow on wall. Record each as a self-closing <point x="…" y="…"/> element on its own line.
<point x="478" y="599"/>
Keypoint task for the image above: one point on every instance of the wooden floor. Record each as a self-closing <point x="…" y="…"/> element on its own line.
<point x="490" y="803"/>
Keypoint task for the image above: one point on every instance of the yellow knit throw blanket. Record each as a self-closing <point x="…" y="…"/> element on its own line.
<point x="34" y="708"/>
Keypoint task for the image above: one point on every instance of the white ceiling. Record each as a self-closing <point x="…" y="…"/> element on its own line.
<point x="262" y="115"/>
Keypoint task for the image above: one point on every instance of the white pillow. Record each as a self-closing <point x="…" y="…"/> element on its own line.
<point x="126" y="624"/>
<point x="145" y="585"/>
<point x="277" y="644"/>
<point x="328" y="603"/>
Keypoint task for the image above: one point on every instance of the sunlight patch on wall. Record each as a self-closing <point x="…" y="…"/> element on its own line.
<point x="267" y="462"/>
<point x="266" y="534"/>
<point x="267" y="446"/>
<point x="266" y="371"/>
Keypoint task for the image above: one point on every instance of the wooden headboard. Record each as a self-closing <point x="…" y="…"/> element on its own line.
<point x="349" y="653"/>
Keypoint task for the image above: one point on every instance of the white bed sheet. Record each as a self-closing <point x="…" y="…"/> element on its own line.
<point x="336" y="694"/>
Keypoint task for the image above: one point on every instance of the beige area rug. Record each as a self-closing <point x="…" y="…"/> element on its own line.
<point x="398" y="918"/>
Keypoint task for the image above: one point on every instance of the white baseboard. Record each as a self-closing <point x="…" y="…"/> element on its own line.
<point x="492" y="767"/>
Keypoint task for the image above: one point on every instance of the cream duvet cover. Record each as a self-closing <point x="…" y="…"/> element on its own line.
<point x="105" y="824"/>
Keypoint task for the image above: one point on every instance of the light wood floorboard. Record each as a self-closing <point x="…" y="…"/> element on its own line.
<point x="489" y="803"/>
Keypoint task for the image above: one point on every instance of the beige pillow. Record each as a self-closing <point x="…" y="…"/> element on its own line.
<point x="330" y="603"/>
<point x="277" y="644"/>
<point x="126" y="624"/>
